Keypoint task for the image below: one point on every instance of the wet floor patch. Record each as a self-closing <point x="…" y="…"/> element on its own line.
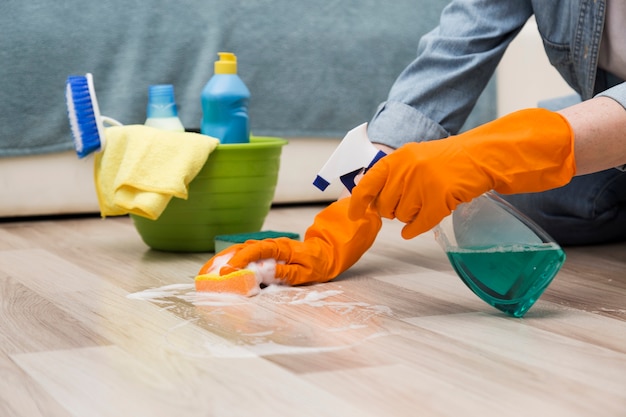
<point x="279" y="320"/>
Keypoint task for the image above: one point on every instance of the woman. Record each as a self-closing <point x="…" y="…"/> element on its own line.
<point x="562" y="168"/>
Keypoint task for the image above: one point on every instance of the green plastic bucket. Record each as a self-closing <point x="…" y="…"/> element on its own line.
<point x="232" y="193"/>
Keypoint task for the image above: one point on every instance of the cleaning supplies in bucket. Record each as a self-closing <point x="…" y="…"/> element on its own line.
<point x="141" y="168"/>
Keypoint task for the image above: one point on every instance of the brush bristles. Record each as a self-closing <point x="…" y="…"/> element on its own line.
<point x="83" y="115"/>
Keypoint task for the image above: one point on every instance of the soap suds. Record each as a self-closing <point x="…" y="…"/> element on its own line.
<point x="309" y="320"/>
<point x="264" y="270"/>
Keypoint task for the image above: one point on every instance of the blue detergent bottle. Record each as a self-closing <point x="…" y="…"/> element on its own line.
<point x="225" y="101"/>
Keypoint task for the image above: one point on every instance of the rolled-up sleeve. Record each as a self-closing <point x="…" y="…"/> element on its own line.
<point x="617" y="93"/>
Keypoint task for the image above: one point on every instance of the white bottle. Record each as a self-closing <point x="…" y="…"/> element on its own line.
<point x="162" y="112"/>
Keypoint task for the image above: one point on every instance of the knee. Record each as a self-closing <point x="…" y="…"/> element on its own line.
<point x="589" y="210"/>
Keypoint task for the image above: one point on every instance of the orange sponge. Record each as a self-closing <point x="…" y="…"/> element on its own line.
<point x="242" y="281"/>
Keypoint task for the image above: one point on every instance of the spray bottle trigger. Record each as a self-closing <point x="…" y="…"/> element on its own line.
<point x="348" y="179"/>
<point x="354" y="153"/>
<point x="379" y="155"/>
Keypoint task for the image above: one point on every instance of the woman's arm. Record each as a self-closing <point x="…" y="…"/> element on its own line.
<point x="599" y="127"/>
<point x="435" y="93"/>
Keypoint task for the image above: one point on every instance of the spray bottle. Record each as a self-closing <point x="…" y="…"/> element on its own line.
<point x="354" y="154"/>
<point x="500" y="254"/>
<point x="162" y="112"/>
<point x="225" y="103"/>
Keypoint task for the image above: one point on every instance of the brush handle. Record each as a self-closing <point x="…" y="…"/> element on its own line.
<point x="110" y="121"/>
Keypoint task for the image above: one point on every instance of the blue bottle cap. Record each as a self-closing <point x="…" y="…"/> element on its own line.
<point x="161" y="101"/>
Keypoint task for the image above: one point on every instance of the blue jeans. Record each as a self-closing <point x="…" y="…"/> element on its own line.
<point x="591" y="209"/>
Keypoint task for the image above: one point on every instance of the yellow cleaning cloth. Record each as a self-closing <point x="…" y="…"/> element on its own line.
<point x="141" y="168"/>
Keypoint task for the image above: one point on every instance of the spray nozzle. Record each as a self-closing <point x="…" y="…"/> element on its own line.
<point x="354" y="154"/>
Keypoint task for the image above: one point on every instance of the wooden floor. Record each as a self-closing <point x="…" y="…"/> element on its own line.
<point x="93" y="323"/>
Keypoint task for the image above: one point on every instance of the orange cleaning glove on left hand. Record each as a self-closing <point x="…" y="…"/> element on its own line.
<point x="331" y="245"/>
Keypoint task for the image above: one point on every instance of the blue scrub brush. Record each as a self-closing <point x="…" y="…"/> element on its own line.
<point x="86" y="122"/>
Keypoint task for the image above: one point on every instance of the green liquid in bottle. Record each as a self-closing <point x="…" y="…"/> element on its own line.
<point x="509" y="277"/>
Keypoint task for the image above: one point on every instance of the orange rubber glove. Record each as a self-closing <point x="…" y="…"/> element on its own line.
<point x="421" y="183"/>
<point x="332" y="244"/>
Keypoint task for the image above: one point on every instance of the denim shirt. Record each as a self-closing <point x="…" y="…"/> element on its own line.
<point x="433" y="96"/>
